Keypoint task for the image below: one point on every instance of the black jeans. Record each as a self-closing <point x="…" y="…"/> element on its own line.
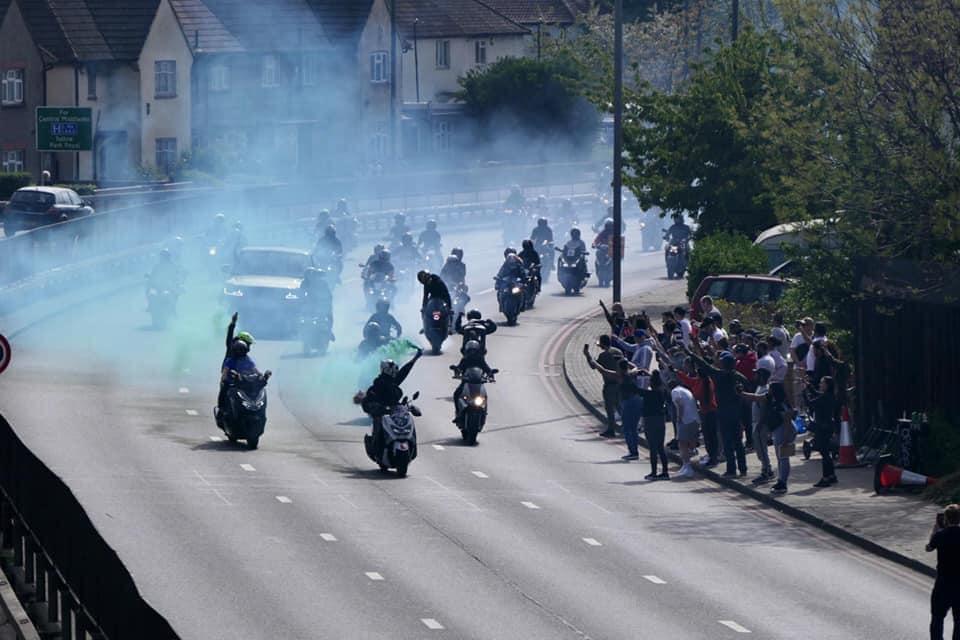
<point x="729" y="418"/>
<point x="945" y="596"/>
<point x="611" y="401"/>
<point x="821" y="443"/>
<point x="710" y="438"/>
<point x="655" y="428"/>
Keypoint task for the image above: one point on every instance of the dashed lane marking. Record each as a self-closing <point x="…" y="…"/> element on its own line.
<point x="439" y="447"/>
<point x="192" y="412"/>
<point x="328" y="537"/>
<point x="373" y="575"/>
<point x="216" y="439"/>
<point x="529" y="505"/>
<point x="655" y="580"/>
<point x="247" y="467"/>
<point x="593" y="542"/>
<point x="184" y="390"/>
<point x="480" y="474"/>
<point x="485" y="292"/>
<point x="431" y="623"/>
<point x="733" y="625"/>
<point x="284" y="499"/>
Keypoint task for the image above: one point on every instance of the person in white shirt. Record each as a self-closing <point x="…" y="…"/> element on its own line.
<point x="780" y="333"/>
<point x="800" y="344"/>
<point x="779" y="374"/>
<point x="688" y="425"/>
<point x="685" y="327"/>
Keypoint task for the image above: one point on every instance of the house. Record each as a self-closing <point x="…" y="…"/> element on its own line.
<point x="21" y="90"/>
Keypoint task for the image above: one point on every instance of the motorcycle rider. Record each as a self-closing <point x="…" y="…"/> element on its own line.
<point x="512" y="267"/>
<point x="323" y="221"/>
<point x="235" y="241"/>
<point x="575" y="243"/>
<point x="407" y="254"/>
<point x="475" y="328"/>
<point x="433" y="287"/>
<point x="373" y="339"/>
<point x="399" y="228"/>
<point x="316" y="298"/>
<point x="341" y="210"/>
<point x="384" y="393"/>
<point x="329" y="247"/>
<point x="385" y="320"/>
<point x="165" y="275"/>
<point x="217" y="230"/>
<point x="473" y="356"/>
<point x="381" y="266"/>
<point x="679" y="232"/>
<point x="542" y="232"/>
<point x="606" y="234"/>
<point x="531" y="260"/>
<point x="429" y="238"/>
<point x="454" y="271"/>
<point x="235" y="358"/>
<point x="515" y="200"/>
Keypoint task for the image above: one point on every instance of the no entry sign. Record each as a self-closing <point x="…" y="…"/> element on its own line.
<point x="4" y="353"/>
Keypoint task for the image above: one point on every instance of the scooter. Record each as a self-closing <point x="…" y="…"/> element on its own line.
<point x="532" y="287"/>
<point x="316" y="332"/>
<point x="459" y="295"/>
<point x="398" y="439"/>
<point x="546" y="251"/>
<point x="572" y="270"/>
<point x="603" y="264"/>
<point x="161" y="304"/>
<point x="246" y="412"/>
<point x="510" y="296"/>
<point x="472" y="402"/>
<point x="376" y="288"/>
<point x="433" y="259"/>
<point x="675" y="255"/>
<point x="436" y="323"/>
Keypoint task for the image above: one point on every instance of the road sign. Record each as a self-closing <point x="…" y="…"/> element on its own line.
<point x="4" y="353"/>
<point x="64" y="129"/>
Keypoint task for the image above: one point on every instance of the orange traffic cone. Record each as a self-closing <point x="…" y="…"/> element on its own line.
<point x="888" y="476"/>
<point x="848" y="453"/>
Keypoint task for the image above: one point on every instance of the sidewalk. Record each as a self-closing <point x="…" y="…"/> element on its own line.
<point x="895" y="526"/>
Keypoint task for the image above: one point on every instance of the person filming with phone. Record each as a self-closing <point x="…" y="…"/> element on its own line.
<point x="945" y="539"/>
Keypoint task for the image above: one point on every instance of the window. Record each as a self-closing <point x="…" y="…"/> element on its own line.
<point x="91" y="82"/>
<point x="165" y="79"/>
<point x="219" y="77"/>
<point x="12" y="87"/>
<point x="443" y="54"/>
<point x="442" y="132"/>
<point x="310" y="69"/>
<point x="480" y="51"/>
<point x="12" y="160"/>
<point x="268" y="76"/>
<point x="166" y="155"/>
<point x="379" y="72"/>
<point x="379" y="145"/>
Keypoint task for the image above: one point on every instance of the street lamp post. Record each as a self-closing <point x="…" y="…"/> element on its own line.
<point x="617" y="150"/>
<point x="539" y="29"/>
<point x="734" y="19"/>
<point x="416" y="59"/>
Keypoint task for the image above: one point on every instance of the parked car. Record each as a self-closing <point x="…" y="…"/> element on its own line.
<point x="738" y="289"/>
<point x="263" y="285"/>
<point x="32" y="207"/>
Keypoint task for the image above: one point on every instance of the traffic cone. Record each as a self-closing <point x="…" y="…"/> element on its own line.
<point x="848" y="453"/>
<point x="888" y="476"/>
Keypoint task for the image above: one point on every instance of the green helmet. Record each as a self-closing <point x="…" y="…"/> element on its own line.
<point x="246" y="337"/>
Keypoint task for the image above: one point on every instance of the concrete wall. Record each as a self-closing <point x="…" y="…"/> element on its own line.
<point x="164" y="117"/>
<point x="18" y="123"/>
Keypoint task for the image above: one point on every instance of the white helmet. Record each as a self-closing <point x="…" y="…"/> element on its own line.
<point x="389" y="368"/>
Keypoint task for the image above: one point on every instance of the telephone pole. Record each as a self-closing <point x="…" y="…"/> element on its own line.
<point x="617" y="150"/>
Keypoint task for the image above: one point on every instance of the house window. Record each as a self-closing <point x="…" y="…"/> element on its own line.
<point x="379" y="72"/>
<point x="443" y="54"/>
<point x="379" y="142"/>
<point x="166" y="155"/>
<point x="442" y="133"/>
<point x="165" y="79"/>
<point x="12" y="87"/>
<point x="268" y="77"/>
<point x="480" y="51"/>
<point x="91" y="82"/>
<point x="219" y="77"/>
<point x="310" y="69"/>
<point x="12" y="160"/>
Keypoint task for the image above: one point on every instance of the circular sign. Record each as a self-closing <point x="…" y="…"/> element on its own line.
<point x="4" y="353"/>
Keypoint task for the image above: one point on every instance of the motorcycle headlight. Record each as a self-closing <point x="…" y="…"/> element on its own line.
<point x="252" y="405"/>
<point x="290" y="296"/>
<point x="515" y="290"/>
<point x="478" y="401"/>
<point x="213" y="251"/>
<point x="234" y="293"/>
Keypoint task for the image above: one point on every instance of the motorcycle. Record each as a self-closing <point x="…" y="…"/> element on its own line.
<point x="315" y="333"/>
<point x="514" y="226"/>
<point x="246" y="411"/>
<point x="471" y="403"/>
<point x="532" y="287"/>
<point x="378" y="287"/>
<point x="459" y="296"/>
<point x="399" y="437"/>
<point x="510" y="297"/>
<point x="572" y="270"/>
<point x="546" y="251"/>
<point x="675" y="255"/>
<point x="347" y="232"/>
<point x="436" y="323"/>
<point x="603" y="264"/>
<point x="331" y="265"/>
<point x="433" y="259"/>
<point x="161" y="304"/>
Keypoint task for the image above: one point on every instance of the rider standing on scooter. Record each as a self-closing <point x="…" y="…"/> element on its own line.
<point x="433" y="287"/>
<point x="473" y="357"/>
<point x="236" y="358"/>
<point x="474" y="329"/>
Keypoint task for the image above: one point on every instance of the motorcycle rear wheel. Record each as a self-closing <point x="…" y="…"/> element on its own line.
<point x="253" y="442"/>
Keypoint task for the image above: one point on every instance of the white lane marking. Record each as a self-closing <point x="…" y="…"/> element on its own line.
<point x="655" y="580"/>
<point x="733" y="625"/>
<point x="431" y="623"/>
<point x="328" y="537"/>
<point x="184" y="390"/>
<point x="284" y="499"/>
<point x="438" y="447"/>
<point x="216" y="439"/>
<point x="529" y="505"/>
<point x="373" y="575"/>
<point x="593" y="542"/>
<point x="192" y="412"/>
<point x="480" y="474"/>
<point x="247" y="467"/>
<point x="485" y="292"/>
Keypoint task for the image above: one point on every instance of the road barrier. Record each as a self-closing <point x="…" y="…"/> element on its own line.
<point x="80" y="587"/>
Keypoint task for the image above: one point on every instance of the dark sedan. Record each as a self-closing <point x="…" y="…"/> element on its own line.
<point x="32" y="207"/>
<point x="263" y="285"/>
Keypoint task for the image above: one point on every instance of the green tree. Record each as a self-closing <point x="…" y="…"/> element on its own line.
<point x="536" y="99"/>
<point x="723" y="253"/>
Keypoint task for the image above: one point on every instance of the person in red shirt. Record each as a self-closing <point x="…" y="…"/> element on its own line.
<point x="746" y="364"/>
<point x="702" y="388"/>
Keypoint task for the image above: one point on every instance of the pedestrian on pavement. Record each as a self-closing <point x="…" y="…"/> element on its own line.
<point x="686" y="329"/>
<point x="607" y="359"/>
<point x="655" y="426"/>
<point x="780" y="333"/>
<point x="759" y="404"/>
<point x="616" y="317"/>
<point x="945" y="539"/>
<point x="631" y="406"/>
<point x="640" y="351"/>
<point x="728" y="381"/>
<point x="823" y="405"/>
<point x="688" y="425"/>
<point x="772" y="347"/>
<point x="710" y="311"/>
<point x="746" y="365"/>
<point x="779" y="419"/>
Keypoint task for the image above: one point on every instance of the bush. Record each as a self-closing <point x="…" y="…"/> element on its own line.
<point x="941" y="448"/>
<point x="723" y="253"/>
<point x="10" y="182"/>
<point x="946" y="491"/>
<point x="82" y="188"/>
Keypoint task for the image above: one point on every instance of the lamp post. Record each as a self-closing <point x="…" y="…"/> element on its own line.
<point x="539" y="29"/>
<point x="393" y="79"/>
<point x="734" y="19"/>
<point x="416" y="59"/>
<point x="617" y="149"/>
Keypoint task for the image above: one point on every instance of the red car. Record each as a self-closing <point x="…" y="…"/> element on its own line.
<point x="738" y="289"/>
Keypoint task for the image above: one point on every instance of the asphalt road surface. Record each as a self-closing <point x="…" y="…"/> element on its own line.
<point x="539" y="532"/>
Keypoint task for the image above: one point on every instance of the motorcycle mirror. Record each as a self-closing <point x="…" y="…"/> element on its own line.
<point x="416" y="394"/>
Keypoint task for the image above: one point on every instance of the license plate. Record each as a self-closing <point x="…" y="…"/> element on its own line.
<point x="403" y="446"/>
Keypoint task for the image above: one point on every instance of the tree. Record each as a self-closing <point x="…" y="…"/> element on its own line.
<point x="535" y="101"/>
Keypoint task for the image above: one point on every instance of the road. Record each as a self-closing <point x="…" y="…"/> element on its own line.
<point x="539" y="532"/>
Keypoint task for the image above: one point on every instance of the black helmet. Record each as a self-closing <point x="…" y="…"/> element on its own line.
<point x="575" y="233"/>
<point x="342" y="203"/>
<point x="372" y="331"/>
<point x="323" y="214"/>
<point x="457" y="251"/>
<point x="384" y="255"/>
<point x="400" y="218"/>
<point x="608" y="224"/>
<point x="383" y="306"/>
<point x="508" y="251"/>
<point x="472" y="346"/>
<point x="239" y="348"/>
<point x="330" y="231"/>
<point x="541" y="222"/>
<point x="377" y="248"/>
<point x="473" y="314"/>
<point x="165" y="255"/>
<point x="406" y="238"/>
<point x="451" y="259"/>
<point x="432" y="225"/>
<point x="423" y="276"/>
<point x="528" y="244"/>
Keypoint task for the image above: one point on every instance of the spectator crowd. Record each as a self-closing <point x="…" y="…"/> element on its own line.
<point x="728" y="389"/>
